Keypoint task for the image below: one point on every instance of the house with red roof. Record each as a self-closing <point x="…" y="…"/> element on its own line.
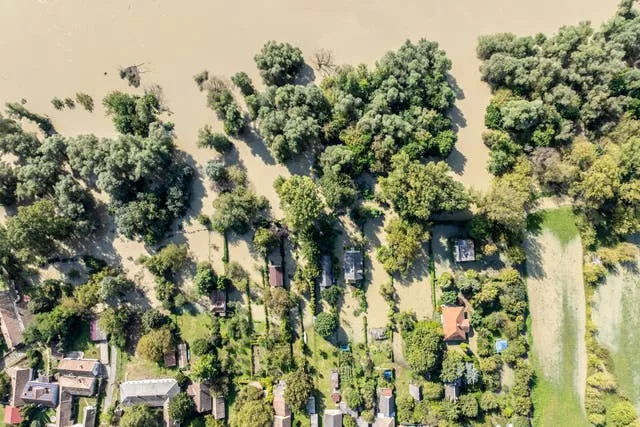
<point x="455" y="323"/>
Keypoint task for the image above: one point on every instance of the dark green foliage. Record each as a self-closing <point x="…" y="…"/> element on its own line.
<point x="220" y="100"/>
<point x="236" y="210"/>
<point x="202" y="346"/>
<point x="208" y="139"/>
<point x="401" y="104"/>
<point x="325" y="323"/>
<point x="132" y="114"/>
<point x="114" y="323"/>
<point x="36" y="232"/>
<point x="168" y="261"/>
<point x="417" y="190"/>
<point x="141" y="416"/>
<point x="57" y="103"/>
<point x="205" y="279"/>
<point x="8" y="184"/>
<point x="300" y="201"/>
<point x="243" y="82"/>
<point x="16" y="110"/>
<point x="5" y="386"/>
<point x="166" y="292"/>
<point x="290" y="119"/>
<point x="181" y="407"/>
<point x="85" y="100"/>
<point x="423" y="347"/>
<point x="153" y="319"/>
<point x="468" y="405"/>
<point x="279" y="63"/>
<point x="404" y="241"/>
<point x="449" y="298"/>
<point x="299" y="388"/>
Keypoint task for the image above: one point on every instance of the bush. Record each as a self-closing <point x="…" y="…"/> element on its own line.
<point x="57" y="103"/>
<point x="445" y="281"/>
<point x="468" y="405"/>
<point x="209" y="139"/>
<point x="243" y="82"/>
<point x="154" y="344"/>
<point x="279" y="63"/>
<point x="181" y="407"/>
<point x="85" y="100"/>
<point x="205" y="279"/>
<point x="168" y="261"/>
<point x="622" y="414"/>
<point x="449" y="298"/>
<point x="325" y="324"/>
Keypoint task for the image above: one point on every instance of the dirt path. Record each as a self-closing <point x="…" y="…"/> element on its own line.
<point x="557" y="309"/>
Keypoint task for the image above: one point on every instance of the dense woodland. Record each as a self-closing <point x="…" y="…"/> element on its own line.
<point x="564" y="119"/>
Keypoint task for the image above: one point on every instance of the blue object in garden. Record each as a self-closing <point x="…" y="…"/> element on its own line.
<point x="501" y="345"/>
<point x="345" y="347"/>
<point x="388" y="374"/>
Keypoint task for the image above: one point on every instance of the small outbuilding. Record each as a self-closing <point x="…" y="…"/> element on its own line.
<point x="416" y="392"/>
<point x="276" y="276"/>
<point x="353" y="271"/>
<point x="386" y="403"/>
<point x="335" y="379"/>
<point x="201" y="394"/>
<point x="451" y="391"/>
<point x="464" y="250"/>
<point x="219" y="302"/>
<point x="218" y="408"/>
<point x="326" y="278"/>
<point x="332" y="418"/>
<point x="183" y="355"/>
<point x="95" y="332"/>
<point x="378" y="334"/>
<point x="170" y="359"/>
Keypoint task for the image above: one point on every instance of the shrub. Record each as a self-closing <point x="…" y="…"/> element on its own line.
<point x="622" y="414"/>
<point x="445" y="281"/>
<point x="243" y="83"/>
<point x="449" y="298"/>
<point x="57" y="103"/>
<point x="279" y="63"/>
<point x="209" y="139"/>
<point x="85" y="100"/>
<point x="325" y="324"/>
<point x="468" y="405"/>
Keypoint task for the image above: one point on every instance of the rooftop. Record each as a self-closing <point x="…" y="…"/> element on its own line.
<point x="280" y="406"/>
<point x="454" y="323"/>
<point x="79" y="383"/>
<point x="41" y="392"/>
<point x="10" y="321"/>
<point x="12" y="415"/>
<point x="170" y="359"/>
<point x="276" y="277"/>
<point x="95" y="332"/>
<point x="201" y="395"/>
<point x="151" y="392"/>
<point x="464" y="250"/>
<point x="19" y="378"/>
<point x="352" y="265"/>
<point x="79" y="366"/>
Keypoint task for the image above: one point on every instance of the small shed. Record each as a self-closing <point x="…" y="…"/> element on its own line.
<point x="378" y="334"/>
<point x="353" y="271"/>
<point x="218" y="408"/>
<point x="95" y="332"/>
<point x="451" y="391"/>
<point x="335" y="379"/>
<point x="416" y="392"/>
<point x="280" y="406"/>
<point x="219" y="302"/>
<point x="276" y="276"/>
<point x="464" y="250"/>
<point x="311" y="405"/>
<point x="183" y="355"/>
<point x="170" y="360"/>
<point x="326" y="279"/>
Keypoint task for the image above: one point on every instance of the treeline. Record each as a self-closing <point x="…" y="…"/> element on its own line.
<point x="563" y="120"/>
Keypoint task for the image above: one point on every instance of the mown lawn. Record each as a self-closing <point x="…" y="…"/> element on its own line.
<point x="561" y="222"/>
<point x="323" y="357"/>
<point x="82" y="342"/>
<point x="193" y="324"/>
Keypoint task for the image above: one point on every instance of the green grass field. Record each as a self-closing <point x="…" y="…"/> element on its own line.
<point x="193" y="325"/>
<point x="556" y="400"/>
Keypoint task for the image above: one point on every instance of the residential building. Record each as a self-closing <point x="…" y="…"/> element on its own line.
<point x="152" y="393"/>
<point x="19" y="378"/>
<point x="455" y="323"/>
<point x="78" y="386"/>
<point x="41" y="393"/>
<point x="464" y="250"/>
<point x="80" y="367"/>
<point x="10" y="322"/>
<point x="353" y="271"/>
<point x="201" y="394"/>
<point x="64" y="411"/>
<point x="332" y="418"/>
<point x="386" y="403"/>
<point x="276" y="276"/>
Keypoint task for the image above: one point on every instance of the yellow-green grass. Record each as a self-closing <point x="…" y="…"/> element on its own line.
<point x="193" y="325"/>
<point x="82" y="342"/>
<point x="561" y="222"/>
<point x="323" y="357"/>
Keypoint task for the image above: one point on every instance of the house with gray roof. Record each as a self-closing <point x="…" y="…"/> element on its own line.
<point x="353" y="271"/>
<point x="41" y="393"/>
<point x="19" y="378"/>
<point x="218" y="409"/>
<point x="201" y="394"/>
<point x="386" y="403"/>
<point x="152" y="393"/>
<point x="10" y="322"/>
